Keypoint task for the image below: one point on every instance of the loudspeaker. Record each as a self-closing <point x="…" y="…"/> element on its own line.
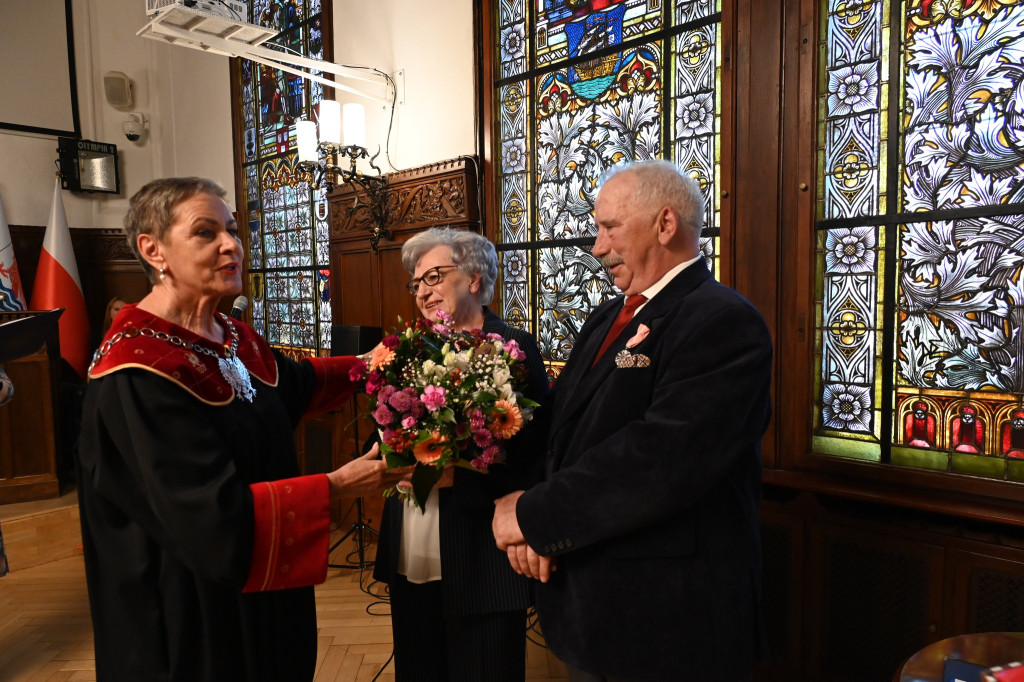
<point x="118" y="89"/>
<point x="349" y="339"/>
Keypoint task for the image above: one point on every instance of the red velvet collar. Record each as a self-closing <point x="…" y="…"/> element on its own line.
<point x="197" y="372"/>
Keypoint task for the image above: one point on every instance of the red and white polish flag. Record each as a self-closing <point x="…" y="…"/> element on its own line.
<point x="57" y="285"/>
<point x="12" y="296"/>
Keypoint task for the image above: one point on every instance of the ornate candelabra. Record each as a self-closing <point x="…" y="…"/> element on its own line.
<point x="320" y="163"/>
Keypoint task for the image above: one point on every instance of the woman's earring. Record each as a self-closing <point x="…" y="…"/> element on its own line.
<point x="163" y="273"/>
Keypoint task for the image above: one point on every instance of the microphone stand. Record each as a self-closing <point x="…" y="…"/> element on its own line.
<point x="359" y="526"/>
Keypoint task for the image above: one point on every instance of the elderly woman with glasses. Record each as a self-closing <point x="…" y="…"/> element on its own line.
<point x="458" y="611"/>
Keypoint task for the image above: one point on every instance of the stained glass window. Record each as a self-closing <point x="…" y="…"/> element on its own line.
<point x="289" y="268"/>
<point x="582" y="85"/>
<point x="920" y="225"/>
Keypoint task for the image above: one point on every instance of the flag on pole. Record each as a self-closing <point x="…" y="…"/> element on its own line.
<point x="12" y="296"/>
<point x="57" y="285"/>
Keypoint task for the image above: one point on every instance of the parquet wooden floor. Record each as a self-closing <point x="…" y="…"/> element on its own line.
<point x="45" y="634"/>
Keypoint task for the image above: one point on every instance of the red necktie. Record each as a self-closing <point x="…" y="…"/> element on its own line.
<point x="625" y="315"/>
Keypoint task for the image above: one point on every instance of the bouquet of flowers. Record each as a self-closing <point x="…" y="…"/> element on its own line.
<point x="442" y="397"/>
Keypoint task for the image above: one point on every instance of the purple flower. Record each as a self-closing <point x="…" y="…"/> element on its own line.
<point x="388" y="436"/>
<point x="514" y="351"/>
<point x="385" y="393"/>
<point x="482" y="438"/>
<point x="408" y="422"/>
<point x="476" y="420"/>
<point x="495" y="337"/>
<point x="489" y="456"/>
<point x="374" y="381"/>
<point x="382" y="415"/>
<point x="391" y="341"/>
<point x="403" y="401"/>
<point x="439" y="329"/>
<point x="433" y="398"/>
<point x="462" y="431"/>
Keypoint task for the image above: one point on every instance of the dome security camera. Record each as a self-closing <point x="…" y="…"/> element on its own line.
<point x="134" y="127"/>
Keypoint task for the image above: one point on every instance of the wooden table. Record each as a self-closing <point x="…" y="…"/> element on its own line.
<point x="984" y="648"/>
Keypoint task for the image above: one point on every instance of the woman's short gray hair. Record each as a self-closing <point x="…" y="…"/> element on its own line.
<point x="661" y="183"/>
<point x="151" y="210"/>
<point x="473" y="253"/>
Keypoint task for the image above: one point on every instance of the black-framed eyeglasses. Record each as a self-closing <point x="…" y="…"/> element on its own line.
<point x="431" y="277"/>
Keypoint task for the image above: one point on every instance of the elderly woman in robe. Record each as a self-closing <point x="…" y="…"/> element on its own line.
<point x="201" y="539"/>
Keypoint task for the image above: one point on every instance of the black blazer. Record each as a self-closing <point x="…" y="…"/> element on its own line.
<point x="650" y="504"/>
<point x="476" y="576"/>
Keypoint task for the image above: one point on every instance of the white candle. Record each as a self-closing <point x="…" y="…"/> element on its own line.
<point x="330" y="121"/>
<point x="305" y="138"/>
<point x="355" y="124"/>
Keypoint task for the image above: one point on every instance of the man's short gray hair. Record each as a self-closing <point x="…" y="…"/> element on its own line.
<point x="473" y="253"/>
<point x="661" y="183"/>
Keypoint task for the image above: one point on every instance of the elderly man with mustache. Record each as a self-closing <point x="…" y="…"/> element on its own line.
<point x="649" y="508"/>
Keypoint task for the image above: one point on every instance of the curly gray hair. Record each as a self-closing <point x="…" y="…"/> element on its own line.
<point x="473" y="253"/>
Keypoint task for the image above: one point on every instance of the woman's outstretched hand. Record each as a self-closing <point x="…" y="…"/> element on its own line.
<point x="366" y="475"/>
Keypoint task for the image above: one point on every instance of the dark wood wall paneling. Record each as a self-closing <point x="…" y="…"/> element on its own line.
<point x="106" y="266"/>
<point x="30" y="439"/>
<point x="39" y="428"/>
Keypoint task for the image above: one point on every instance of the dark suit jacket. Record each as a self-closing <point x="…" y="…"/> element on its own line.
<point x="650" y="503"/>
<point x="476" y="576"/>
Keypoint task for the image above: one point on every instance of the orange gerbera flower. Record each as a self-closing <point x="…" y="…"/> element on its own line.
<point x="381" y="356"/>
<point x="430" y="450"/>
<point x="506" y="420"/>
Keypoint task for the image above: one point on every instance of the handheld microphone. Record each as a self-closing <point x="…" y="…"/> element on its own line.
<point x="238" y="307"/>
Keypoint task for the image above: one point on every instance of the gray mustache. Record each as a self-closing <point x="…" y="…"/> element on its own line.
<point x="611" y="261"/>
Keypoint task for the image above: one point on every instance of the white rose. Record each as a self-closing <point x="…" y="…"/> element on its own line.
<point x="501" y="375"/>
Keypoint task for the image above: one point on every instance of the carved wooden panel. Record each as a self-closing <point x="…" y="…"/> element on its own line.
<point x="438" y="194"/>
<point x="368" y="284"/>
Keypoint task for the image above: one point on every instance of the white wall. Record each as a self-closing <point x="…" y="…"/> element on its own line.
<point x="185" y="95"/>
<point x="433" y="44"/>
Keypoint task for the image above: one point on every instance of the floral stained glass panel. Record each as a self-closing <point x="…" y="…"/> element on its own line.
<point x="957" y="390"/>
<point x="595" y="98"/>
